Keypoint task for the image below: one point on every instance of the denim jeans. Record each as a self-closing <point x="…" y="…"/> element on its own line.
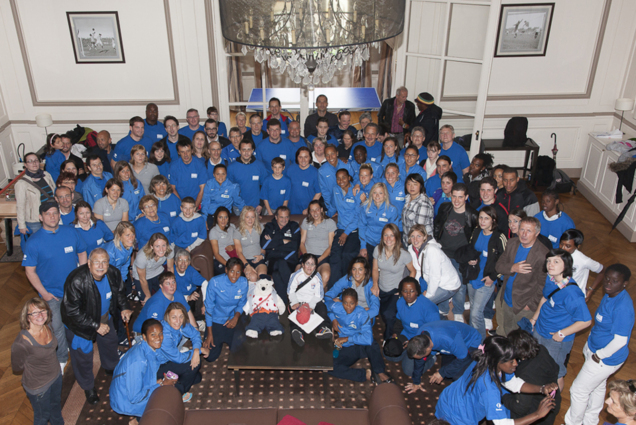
<point x="441" y="298"/>
<point x="408" y="364"/>
<point x="460" y="296"/>
<point x="478" y="300"/>
<point x="48" y="405"/>
<point x="58" y="329"/>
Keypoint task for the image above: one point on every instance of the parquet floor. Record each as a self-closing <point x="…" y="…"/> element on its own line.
<point x="15" y="290"/>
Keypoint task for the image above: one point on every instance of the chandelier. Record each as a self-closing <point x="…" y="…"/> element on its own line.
<point x="311" y="39"/>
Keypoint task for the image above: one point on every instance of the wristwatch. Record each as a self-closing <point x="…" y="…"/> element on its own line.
<point x="561" y="334"/>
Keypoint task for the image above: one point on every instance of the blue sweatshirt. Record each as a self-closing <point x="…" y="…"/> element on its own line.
<point x="216" y="195"/>
<point x="133" y="196"/>
<point x="348" y="207"/>
<point x="249" y="177"/>
<point x="305" y="186"/>
<point x="121" y="152"/>
<point x="146" y="228"/>
<point x="354" y="171"/>
<point x="432" y="184"/>
<point x="230" y="153"/>
<point x="373" y="220"/>
<point x="343" y="283"/>
<point x="355" y="326"/>
<point x="327" y="181"/>
<point x="190" y="280"/>
<point x="416" y="169"/>
<point x="134" y="380"/>
<point x="184" y="232"/>
<point x="169" y="351"/>
<point x="417" y="314"/>
<point x="397" y="195"/>
<point x="276" y="192"/>
<point x="224" y="299"/>
<point x="119" y="258"/>
<point x="93" y="188"/>
<point x="170" y="207"/>
<point x="53" y="164"/>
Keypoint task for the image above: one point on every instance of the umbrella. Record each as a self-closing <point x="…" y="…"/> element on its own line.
<point x="620" y="217"/>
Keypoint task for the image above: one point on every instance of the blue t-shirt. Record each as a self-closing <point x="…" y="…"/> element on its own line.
<point x="123" y="147"/>
<point x="53" y="164"/>
<point x="553" y="229"/>
<point x="54" y="256"/>
<point x="267" y="151"/>
<point x="96" y="236"/>
<point x="190" y="281"/>
<point x="562" y="309"/>
<point x="170" y="207"/>
<point x="461" y="406"/>
<point x="459" y="159"/>
<point x="373" y="152"/>
<point x="187" y="178"/>
<point x="104" y="291"/>
<point x="67" y="219"/>
<point x="156" y="307"/>
<point x="304" y="186"/>
<point x="522" y="254"/>
<point x="146" y="228"/>
<point x="188" y="132"/>
<point x="275" y="192"/>
<point x="614" y="316"/>
<point x="481" y="246"/>
<point x="230" y="153"/>
<point x="415" y="169"/>
<point x="249" y="177"/>
<point x="155" y="132"/>
<point x="397" y="195"/>
<point x="414" y="316"/>
<point x="185" y="233"/>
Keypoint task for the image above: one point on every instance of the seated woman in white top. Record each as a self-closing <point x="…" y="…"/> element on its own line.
<point x="433" y="266"/>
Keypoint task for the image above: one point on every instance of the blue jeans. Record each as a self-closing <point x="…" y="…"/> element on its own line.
<point x="408" y="365"/>
<point x="558" y="351"/>
<point x="441" y="298"/>
<point x="479" y="298"/>
<point x="460" y="296"/>
<point x="48" y="405"/>
<point x="58" y="329"/>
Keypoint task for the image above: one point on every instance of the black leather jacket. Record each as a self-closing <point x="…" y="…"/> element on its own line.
<point x="81" y="304"/>
<point x="385" y="116"/>
<point x="442" y="215"/>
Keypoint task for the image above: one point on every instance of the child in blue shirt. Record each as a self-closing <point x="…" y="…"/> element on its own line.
<point x="188" y="230"/>
<point x="276" y="190"/>
<point x="413" y="309"/>
<point x="553" y="221"/>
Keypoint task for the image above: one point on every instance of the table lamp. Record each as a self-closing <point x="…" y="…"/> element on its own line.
<point x="623" y="104"/>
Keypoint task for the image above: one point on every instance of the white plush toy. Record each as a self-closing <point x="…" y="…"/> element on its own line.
<point x="263" y="305"/>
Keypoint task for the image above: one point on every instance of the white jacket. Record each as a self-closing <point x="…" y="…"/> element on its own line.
<point x="435" y="268"/>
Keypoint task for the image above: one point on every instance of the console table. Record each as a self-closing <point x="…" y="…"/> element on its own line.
<point x="530" y="147"/>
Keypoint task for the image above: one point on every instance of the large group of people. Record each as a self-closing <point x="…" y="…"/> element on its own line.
<point x="392" y="223"/>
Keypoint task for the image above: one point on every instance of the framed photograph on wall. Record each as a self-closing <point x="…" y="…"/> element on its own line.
<point x="96" y="37"/>
<point x="524" y="29"/>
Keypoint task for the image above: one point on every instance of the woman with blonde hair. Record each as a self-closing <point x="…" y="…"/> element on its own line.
<point x="249" y="246"/>
<point x="621" y="401"/>
<point x="133" y="189"/>
<point x="34" y="354"/>
<point x="149" y="265"/>
<point x="376" y="213"/>
<point x="143" y="170"/>
<point x="390" y="261"/>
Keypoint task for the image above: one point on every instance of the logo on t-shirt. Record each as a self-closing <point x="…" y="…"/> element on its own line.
<point x="453" y="227"/>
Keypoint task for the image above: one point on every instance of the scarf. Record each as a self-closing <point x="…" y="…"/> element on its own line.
<point x="37" y="175"/>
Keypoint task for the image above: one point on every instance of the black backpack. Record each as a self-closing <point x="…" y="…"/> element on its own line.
<point x="544" y="174"/>
<point x="515" y="133"/>
<point x="561" y="182"/>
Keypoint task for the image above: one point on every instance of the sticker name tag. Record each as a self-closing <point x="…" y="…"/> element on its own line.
<point x="100" y="241"/>
<point x="384" y="220"/>
<point x="283" y="156"/>
<point x="68" y="249"/>
<point x="225" y="196"/>
<point x="194" y="234"/>
<point x="255" y="178"/>
<point x="399" y="198"/>
<point x="305" y="184"/>
<point x="159" y="137"/>
<point x="351" y="201"/>
<point x="173" y="213"/>
<point x="599" y="318"/>
<point x="414" y="325"/>
<point x="238" y="297"/>
<point x="137" y="192"/>
<point x="372" y="159"/>
<point x="282" y="191"/>
<point x="194" y="175"/>
<point x="484" y="253"/>
<point x="553" y="239"/>
<point x="166" y="229"/>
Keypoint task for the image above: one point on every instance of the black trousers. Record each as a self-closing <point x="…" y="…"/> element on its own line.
<point x="187" y="376"/>
<point x="341" y="256"/>
<point x="321" y="310"/>
<point x="281" y="271"/>
<point x="83" y="362"/>
<point x="348" y="356"/>
<point x="388" y="310"/>
<point x="221" y="335"/>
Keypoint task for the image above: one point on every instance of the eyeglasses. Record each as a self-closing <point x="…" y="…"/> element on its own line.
<point x="33" y="161"/>
<point x="631" y="385"/>
<point x="40" y="313"/>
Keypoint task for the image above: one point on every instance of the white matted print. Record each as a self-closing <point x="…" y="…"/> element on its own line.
<point x="524" y="29"/>
<point x="96" y="37"/>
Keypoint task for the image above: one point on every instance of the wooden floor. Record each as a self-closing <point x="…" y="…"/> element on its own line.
<point x="607" y="249"/>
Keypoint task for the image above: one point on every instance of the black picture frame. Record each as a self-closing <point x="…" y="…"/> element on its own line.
<point x="524" y="29"/>
<point x="96" y="37"/>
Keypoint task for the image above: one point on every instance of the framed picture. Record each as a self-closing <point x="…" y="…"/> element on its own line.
<point x="524" y="29"/>
<point x="96" y="37"/>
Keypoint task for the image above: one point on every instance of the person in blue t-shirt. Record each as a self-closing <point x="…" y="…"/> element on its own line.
<point x="553" y="221"/>
<point x="220" y="192"/>
<point x="95" y="183"/>
<point x="167" y="202"/>
<point x="456" y="152"/>
<point x="50" y="254"/>
<point x="190" y="282"/>
<point x="275" y="146"/>
<point x="136" y="137"/>
<point x="477" y="394"/>
<point x="192" y="116"/>
<point x="64" y="198"/>
<point x="354" y="341"/>
<point x="153" y="128"/>
<point x="411" y="165"/>
<point x="562" y="310"/>
<point x="155" y="306"/>
<point x="371" y="143"/>
<point x="413" y="309"/>
<point x="213" y="114"/>
<point x="276" y="190"/>
<point x="435" y="182"/>
<point x="274" y="113"/>
<point x="187" y="176"/>
<point x="94" y="232"/>
<point x="417" y="141"/>
<point x="607" y="347"/>
<point x="188" y="230"/>
<point x="224" y="300"/>
<point x="120" y="249"/>
<point x="249" y="174"/>
<point x="151" y="222"/>
<point x="305" y="186"/>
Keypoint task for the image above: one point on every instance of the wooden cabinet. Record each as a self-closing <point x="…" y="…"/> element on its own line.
<point x="598" y="185"/>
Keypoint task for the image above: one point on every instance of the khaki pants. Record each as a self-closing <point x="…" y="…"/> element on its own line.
<point x="506" y="317"/>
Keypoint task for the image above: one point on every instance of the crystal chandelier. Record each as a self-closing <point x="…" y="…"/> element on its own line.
<point x="311" y="39"/>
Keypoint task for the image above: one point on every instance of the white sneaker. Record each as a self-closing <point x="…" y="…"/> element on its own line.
<point x="201" y="324"/>
<point x="63" y="366"/>
<point x="184" y="349"/>
<point x="251" y="333"/>
<point x="488" y="324"/>
<point x="467" y="305"/>
<point x="459" y="318"/>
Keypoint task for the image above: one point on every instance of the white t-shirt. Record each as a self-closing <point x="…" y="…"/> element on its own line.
<point x="581" y="267"/>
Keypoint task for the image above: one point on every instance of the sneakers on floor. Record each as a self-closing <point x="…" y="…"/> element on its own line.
<point x="467" y="305"/>
<point x="488" y="324"/>
<point x="324" y="333"/>
<point x="201" y="324"/>
<point x="297" y="337"/>
<point x="459" y="318"/>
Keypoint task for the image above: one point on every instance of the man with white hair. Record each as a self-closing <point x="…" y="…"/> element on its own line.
<point x="397" y="114"/>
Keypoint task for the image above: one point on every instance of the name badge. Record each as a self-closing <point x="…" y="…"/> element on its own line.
<point x="100" y="241"/>
<point x="189" y="287"/>
<point x="173" y="213"/>
<point x="484" y="253"/>
<point x="282" y="192"/>
<point x="351" y="201"/>
<point x="305" y="184"/>
<point x="166" y="229"/>
<point x="193" y="175"/>
<point x="238" y="297"/>
<point x="283" y="156"/>
<point x="137" y="192"/>
<point x="553" y="239"/>
<point x="159" y="137"/>
<point x="414" y="325"/>
<point x="68" y="249"/>
<point x="551" y="302"/>
<point x="372" y="159"/>
<point x="255" y="178"/>
<point x="195" y="234"/>
<point x="106" y="214"/>
<point x="399" y="198"/>
<point x="109" y="295"/>
<point x="599" y="318"/>
<point x="384" y="220"/>
<point x="225" y="196"/>
<point x="288" y="235"/>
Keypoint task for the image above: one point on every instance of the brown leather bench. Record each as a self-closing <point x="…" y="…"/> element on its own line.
<point x="386" y="407"/>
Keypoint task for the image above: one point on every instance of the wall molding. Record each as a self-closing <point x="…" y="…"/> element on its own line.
<point x="31" y="82"/>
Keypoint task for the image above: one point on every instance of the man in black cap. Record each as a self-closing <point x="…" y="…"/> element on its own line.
<point x="50" y="254"/>
<point x="429" y="116"/>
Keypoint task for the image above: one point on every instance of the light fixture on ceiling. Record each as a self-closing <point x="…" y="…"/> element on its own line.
<point x="298" y="35"/>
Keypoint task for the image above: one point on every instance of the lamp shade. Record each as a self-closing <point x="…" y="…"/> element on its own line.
<point x="624" y="104"/>
<point x="43" y="120"/>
